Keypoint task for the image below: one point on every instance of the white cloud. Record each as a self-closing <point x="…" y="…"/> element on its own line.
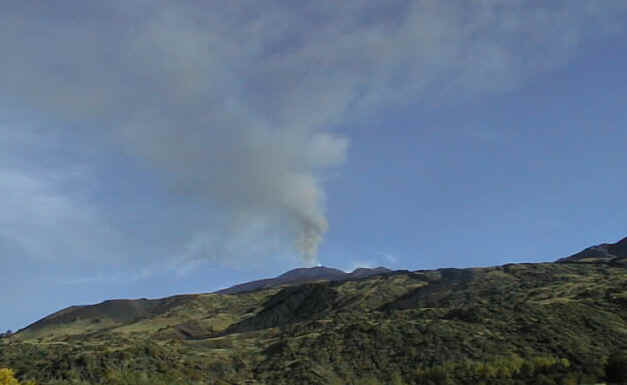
<point x="46" y="224"/>
<point x="389" y="259"/>
<point x="356" y="264"/>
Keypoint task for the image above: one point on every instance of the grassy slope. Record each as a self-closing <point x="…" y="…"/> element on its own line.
<point x="444" y="326"/>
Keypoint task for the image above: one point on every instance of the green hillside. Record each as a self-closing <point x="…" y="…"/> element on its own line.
<point x="551" y="323"/>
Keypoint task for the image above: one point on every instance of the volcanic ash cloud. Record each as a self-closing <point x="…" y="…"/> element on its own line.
<point x="265" y="182"/>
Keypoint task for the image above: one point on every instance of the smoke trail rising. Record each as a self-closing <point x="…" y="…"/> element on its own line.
<point x="234" y="105"/>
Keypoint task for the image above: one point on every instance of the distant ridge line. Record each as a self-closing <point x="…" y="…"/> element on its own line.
<point x="608" y="253"/>
<point x="303" y="275"/>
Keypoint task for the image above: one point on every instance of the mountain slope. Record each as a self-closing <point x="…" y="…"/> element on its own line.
<point x="304" y="275"/>
<point x="613" y="253"/>
<point x="547" y="323"/>
<point x="122" y="313"/>
<point x="112" y="311"/>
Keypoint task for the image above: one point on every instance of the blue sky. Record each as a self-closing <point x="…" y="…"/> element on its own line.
<point x="156" y="148"/>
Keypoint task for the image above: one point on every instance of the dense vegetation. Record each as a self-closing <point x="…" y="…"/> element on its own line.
<point x="515" y="324"/>
<point x="7" y="377"/>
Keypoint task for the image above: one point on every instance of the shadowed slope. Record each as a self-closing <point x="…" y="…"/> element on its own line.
<point x="292" y="304"/>
<point x="613" y="253"/>
<point x="108" y="313"/>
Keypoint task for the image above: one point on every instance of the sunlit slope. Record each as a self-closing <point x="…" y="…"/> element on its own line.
<point x="193" y="315"/>
<point x="557" y="318"/>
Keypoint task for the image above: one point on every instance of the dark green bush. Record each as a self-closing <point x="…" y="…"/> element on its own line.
<point x="616" y="369"/>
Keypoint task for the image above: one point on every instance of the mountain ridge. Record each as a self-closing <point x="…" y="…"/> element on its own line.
<point x="516" y="324"/>
<point x="132" y="310"/>
<point x="117" y="312"/>
<point x="304" y="275"/>
<point x="611" y="253"/>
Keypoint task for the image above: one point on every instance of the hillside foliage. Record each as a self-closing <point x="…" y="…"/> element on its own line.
<point x="550" y="324"/>
<point x="7" y="377"/>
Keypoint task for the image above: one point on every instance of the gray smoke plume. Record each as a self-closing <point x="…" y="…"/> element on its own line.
<point x="234" y="104"/>
<point x="247" y="170"/>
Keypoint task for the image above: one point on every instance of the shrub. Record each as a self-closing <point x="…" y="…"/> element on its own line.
<point x="7" y="377"/>
<point x="616" y="369"/>
<point x="570" y="379"/>
<point x="510" y="369"/>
